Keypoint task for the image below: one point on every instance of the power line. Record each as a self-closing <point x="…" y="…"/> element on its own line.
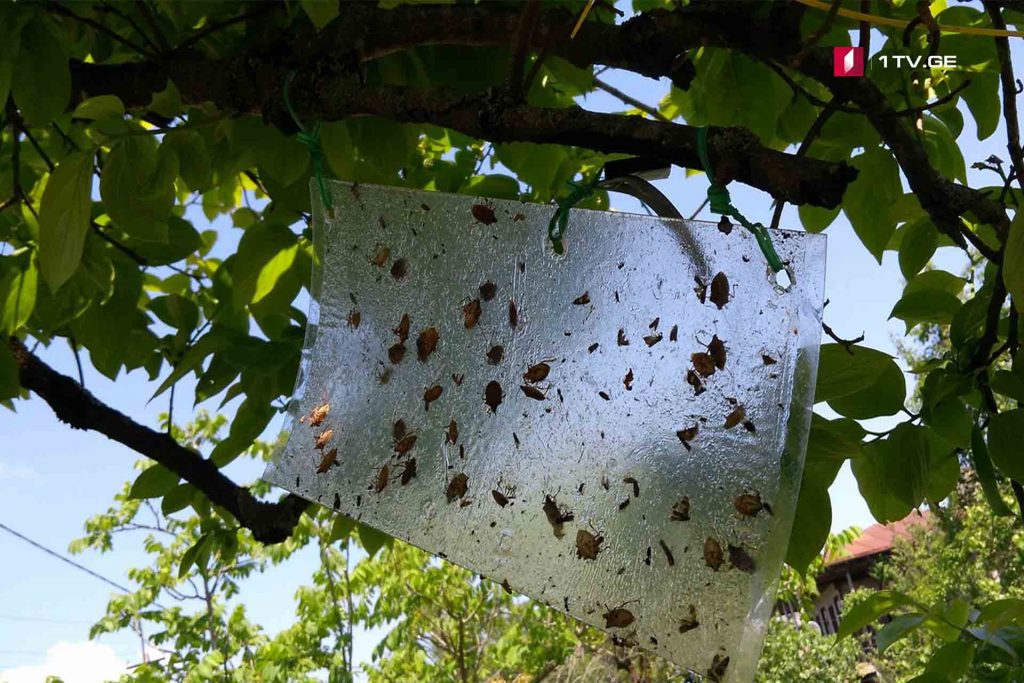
<point x="19" y="617"/>
<point x="62" y="558"/>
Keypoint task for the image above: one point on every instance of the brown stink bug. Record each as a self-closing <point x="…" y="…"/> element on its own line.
<point x="621" y="339"/>
<point x="513" y="314"/>
<point x="403" y="328"/>
<point x="495" y="355"/>
<point x="327" y="461"/>
<point x="323" y="438"/>
<point x="720" y="290"/>
<point x="689" y="622"/>
<point x="681" y="510"/>
<point x="408" y="471"/>
<point x="452" y="433"/>
<point x="627" y="381"/>
<point x="380" y="482"/>
<point x="768" y="360"/>
<point x="426" y="344"/>
<point x="703" y="363"/>
<point x="719" y="664"/>
<point x="620" y="617"/>
<point x="716" y="349"/>
<point x="483" y="214"/>
<point x="673" y="334"/>
<point x="748" y="504"/>
<point x="687" y="435"/>
<point x="557" y="515"/>
<point x="694" y="380"/>
<point x="488" y="290"/>
<point x="588" y="545"/>
<point x="741" y="559"/>
<point x="396" y="353"/>
<point x="652" y="339"/>
<point x="380" y="256"/>
<point x="532" y="392"/>
<point x="499" y="497"/>
<point x="399" y="430"/>
<point x="537" y="373"/>
<point x="713" y="556"/>
<point x="737" y="416"/>
<point x="582" y="299"/>
<point x="431" y="394"/>
<point x="457" y="487"/>
<point x="471" y="313"/>
<point x="405" y="444"/>
<point x="317" y="415"/>
<point x="493" y="395"/>
<point x="400" y="269"/>
<point x="354" y="318"/>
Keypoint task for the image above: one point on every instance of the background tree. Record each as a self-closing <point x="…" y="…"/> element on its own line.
<point x="117" y="118"/>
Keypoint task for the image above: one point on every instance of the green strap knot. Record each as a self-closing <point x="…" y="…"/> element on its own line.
<point x="560" y="221"/>
<point x="310" y="137"/>
<point x="721" y="203"/>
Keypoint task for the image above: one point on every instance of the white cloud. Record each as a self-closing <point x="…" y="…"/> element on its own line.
<point x="17" y="472"/>
<point x="83" y="662"/>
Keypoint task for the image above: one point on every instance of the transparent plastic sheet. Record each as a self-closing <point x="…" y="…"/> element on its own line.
<point x="631" y="455"/>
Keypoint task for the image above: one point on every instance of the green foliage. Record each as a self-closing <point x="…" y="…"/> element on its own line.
<point x="158" y="232"/>
<point x="801" y="653"/>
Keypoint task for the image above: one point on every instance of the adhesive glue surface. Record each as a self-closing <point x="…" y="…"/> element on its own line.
<point x="618" y="432"/>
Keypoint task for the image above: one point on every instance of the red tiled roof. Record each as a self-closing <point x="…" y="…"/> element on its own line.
<point x="878" y="538"/>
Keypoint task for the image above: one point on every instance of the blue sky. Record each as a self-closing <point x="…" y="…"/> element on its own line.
<point x="53" y="477"/>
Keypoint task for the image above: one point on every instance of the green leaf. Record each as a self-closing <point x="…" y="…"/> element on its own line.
<point x="41" y="81"/>
<point x="986" y="474"/>
<point x="919" y="243"/>
<point x="843" y="371"/>
<point x="1013" y="262"/>
<point x="884" y="397"/>
<point x="270" y="273"/>
<point x="886" y="479"/>
<point x="1006" y="442"/>
<point x="154" y="482"/>
<point x="935" y="280"/>
<point x="865" y="613"/>
<point x="810" y="526"/>
<point x="867" y="200"/>
<point x="167" y="102"/>
<point x="371" y="539"/>
<point x="342" y="528"/>
<point x="982" y="98"/>
<point x="64" y="216"/>
<point x="1009" y="384"/>
<point x="816" y="219"/>
<point x="840" y="439"/>
<point x="137" y="187"/>
<point x="251" y="419"/>
<point x="900" y="627"/>
<point x="501" y="186"/>
<point x="952" y="661"/>
<point x="177" y="498"/>
<point x="99" y="107"/>
<point x="18" y="280"/>
<point x="927" y="306"/>
<point x="192" y="555"/>
<point x="10" y="384"/>
<point x="321" y="12"/>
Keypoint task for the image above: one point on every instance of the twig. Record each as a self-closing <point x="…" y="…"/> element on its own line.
<point x="812" y="133"/>
<point x="110" y="9"/>
<point x="522" y="42"/>
<point x="221" y="25"/>
<point x="113" y="35"/>
<point x="39" y="150"/>
<point x="148" y="16"/>
<point x="1009" y="93"/>
<point x="615" y="92"/>
<point x="78" y="361"/>
<point x="845" y="343"/>
<point x="978" y="244"/>
<point x="699" y="208"/>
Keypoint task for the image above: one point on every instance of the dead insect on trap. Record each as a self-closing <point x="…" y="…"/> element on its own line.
<point x="617" y="431"/>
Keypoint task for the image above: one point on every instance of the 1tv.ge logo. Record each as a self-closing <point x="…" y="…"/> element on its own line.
<point x="849" y="61"/>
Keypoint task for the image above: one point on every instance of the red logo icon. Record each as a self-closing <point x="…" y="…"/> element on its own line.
<point x="847" y="61"/>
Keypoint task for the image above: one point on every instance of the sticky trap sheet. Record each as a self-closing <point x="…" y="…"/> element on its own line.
<point x="618" y="432"/>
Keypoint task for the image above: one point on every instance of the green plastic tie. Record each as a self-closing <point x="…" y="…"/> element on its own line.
<point x="310" y="137"/>
<point x="721" y="203"/>
<point x="560" y="221"/>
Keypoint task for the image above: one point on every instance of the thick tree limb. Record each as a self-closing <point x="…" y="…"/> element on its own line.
<point x="650" y="44"/>
<point x="269" y="522"/>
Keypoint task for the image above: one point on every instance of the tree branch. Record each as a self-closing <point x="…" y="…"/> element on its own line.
<point x="269" y="522"/>
<point x="651" y="44"/>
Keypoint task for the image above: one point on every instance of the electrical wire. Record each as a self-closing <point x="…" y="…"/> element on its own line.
<point x="67" y="560"/>
<point x="899" y="23"/>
